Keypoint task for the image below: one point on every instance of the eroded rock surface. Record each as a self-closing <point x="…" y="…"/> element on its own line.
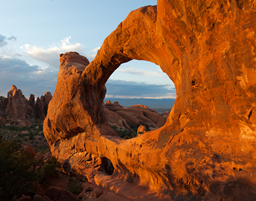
<point x="206" y="149"/>
<point x="124" y="118"/>
<point x="17" y="107"/>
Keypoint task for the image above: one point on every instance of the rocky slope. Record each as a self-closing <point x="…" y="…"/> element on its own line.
<point x="206" y="149"/>
<point x="123" y="118"/>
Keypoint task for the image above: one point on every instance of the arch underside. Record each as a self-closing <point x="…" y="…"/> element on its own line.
<point x="208" y="141"/>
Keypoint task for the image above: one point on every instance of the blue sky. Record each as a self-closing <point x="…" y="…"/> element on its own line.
<point x="34" y="32"/>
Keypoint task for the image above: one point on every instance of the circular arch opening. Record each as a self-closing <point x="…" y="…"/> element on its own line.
<point x="139" y="98"/>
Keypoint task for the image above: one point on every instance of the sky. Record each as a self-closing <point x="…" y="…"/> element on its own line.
<point x="34" y="32"/>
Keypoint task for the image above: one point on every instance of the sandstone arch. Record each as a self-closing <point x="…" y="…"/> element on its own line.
<point x="207" y="146"/>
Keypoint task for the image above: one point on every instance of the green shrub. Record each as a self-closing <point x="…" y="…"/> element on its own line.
<point x="127" y="134"/>
<point x="48" y="170"/>
<point x="16" y="176"/>
<point x="20" y="135"/>
<point x="18" y="173"/>
<point x="40" y="127"/>
<point x="31" y="136"/>
<point x="74" y="186"/>
<point x="12" y="128"/>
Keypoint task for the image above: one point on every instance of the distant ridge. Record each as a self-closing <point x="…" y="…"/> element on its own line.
<point x="160" y="105"/>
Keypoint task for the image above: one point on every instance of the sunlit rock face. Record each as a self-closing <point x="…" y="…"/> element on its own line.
<point x="206" y="149"/>
<point x="124" y="118"/>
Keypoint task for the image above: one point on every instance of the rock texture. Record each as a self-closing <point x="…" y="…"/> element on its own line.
<point x="59" y="194"/>
<point x="206" y="149"/>
<point x="16" y="107"/>
<point x="132" y="116"/>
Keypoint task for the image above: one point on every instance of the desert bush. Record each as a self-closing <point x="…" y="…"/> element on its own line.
<point x="40" y="127"/>
<point x="14" y="128"/>
<point x="16" y="176"/>
<point x="74" y="186"/>
<point x="47" y="170"/>
<point x="127" y="134"/>
<point x="19" y="172"/>
<point x="31" y="136"/>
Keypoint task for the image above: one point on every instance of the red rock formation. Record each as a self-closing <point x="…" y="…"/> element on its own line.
<point x="134" y="115"/>
<point x="41" y="105"/>
<point x="139" y="105"/>
<point x="113" y="107"/>
<point x="16" y="107"/>
<point x="69" y="103"/>
<point x="206" y="149"/>
<point x="142" y="129"/>
<point x="115" y="120"/>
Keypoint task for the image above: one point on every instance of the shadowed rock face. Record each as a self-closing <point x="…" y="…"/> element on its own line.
<point x="206" y="149"/>
<point x="17" y="107"/>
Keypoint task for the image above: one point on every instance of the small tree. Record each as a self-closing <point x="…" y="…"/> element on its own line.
<point x="18" y="172"/>
<point x="16" y="176"/>
<point x="47" y="170"/>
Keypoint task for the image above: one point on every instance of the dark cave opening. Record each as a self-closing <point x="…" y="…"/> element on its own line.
<point x="106" y="166"/>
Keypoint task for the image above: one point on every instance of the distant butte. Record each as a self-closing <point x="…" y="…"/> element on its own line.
<point x="206" y="149"/>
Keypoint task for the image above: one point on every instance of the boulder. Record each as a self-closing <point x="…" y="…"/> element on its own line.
<point x="39" y="197"/>
<point x="30" y="151"/>
<point x="115" y="120"/>
<point x="142" y="129"/>
<point x="25" y="198"/>
<point x="59" y="194"/>
<point x="206" y="148"/>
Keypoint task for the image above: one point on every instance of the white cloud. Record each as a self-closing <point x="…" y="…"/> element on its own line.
<point x="65" y="41"/>
<point x="5" y="57"/>
<point x="51" y="55"/>
<point x="29" y="78"/>
<point x="130" y="70"/>
<point x="95" y="49"/>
